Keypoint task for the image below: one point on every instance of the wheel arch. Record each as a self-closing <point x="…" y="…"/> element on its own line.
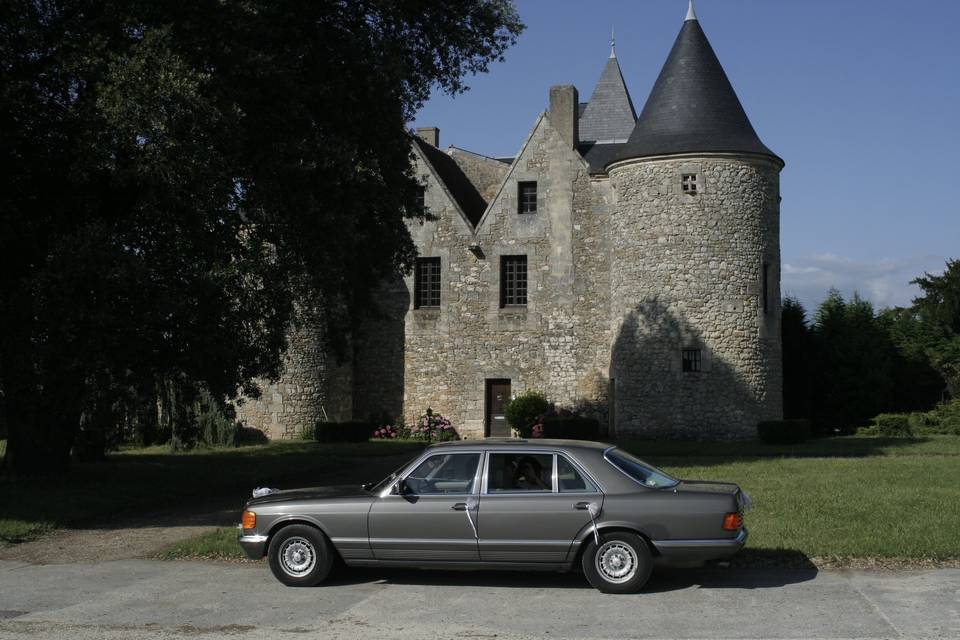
<point x="612" y="527"/>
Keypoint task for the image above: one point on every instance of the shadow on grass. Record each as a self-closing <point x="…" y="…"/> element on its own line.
<point x="132" y="490"/>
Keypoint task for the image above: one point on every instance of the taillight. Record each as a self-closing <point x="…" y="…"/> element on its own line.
<point x="733" y="521"/>
<point x="249" y="520"/>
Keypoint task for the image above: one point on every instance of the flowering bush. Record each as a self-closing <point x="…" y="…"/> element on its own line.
<point x="386" y="432"/>
<point x="433" y="427"/>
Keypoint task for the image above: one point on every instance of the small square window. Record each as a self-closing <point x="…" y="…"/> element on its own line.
<point x="688" y="182"/>
<point x="513" y="281"/>
<point x="527" y="197"/>
<point x="426" y="285"/>
<point x="692" y="362"/>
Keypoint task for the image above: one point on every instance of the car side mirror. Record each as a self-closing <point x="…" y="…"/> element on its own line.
<point x="402" y="488"/>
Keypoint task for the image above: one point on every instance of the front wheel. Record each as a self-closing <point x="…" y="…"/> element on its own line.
<point x="300" y="556"/>
<point x="621" y="563"/>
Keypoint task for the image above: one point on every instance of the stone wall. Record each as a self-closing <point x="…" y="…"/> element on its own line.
<point x="451" y="351"/>
<point x="313" y="386"/>
<point x="687" y="274"/>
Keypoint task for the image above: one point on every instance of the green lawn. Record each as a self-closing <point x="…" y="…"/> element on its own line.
<point x="139" y="480"/>
<point x="847" y="497"/>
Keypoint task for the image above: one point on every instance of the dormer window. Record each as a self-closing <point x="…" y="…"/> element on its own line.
<point x="688" y="183"/>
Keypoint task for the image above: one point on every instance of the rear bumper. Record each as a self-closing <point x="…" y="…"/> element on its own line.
<point x="693" y="552"/>
<point x="255" y="547"/>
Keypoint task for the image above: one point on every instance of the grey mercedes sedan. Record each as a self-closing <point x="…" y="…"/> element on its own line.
<point x="554" y="505"/>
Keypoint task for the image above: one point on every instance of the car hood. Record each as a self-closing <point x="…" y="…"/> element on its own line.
<point x="311" y="493"/>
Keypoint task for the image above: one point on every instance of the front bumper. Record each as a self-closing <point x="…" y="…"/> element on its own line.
<point x="694" y="552"/>
<point x="254" y="546"/>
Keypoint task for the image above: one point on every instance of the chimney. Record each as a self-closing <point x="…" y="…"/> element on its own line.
<point x="430" y="135"/>
<point x="564" y="105"/>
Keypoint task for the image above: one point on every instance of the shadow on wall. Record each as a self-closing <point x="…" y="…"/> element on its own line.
<point x="379" y="356"/>
<point x="655" y="396"/>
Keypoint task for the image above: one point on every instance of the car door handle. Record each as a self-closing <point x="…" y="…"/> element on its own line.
<point x="581" y="506"/>
<point x="460" y="506"/>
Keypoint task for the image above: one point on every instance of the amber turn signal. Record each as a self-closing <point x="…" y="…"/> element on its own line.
<point x="732" y="521"/>
<point x="249" y="520"/>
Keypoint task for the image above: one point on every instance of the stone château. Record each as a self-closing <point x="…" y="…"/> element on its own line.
<point x="626" y="266"/>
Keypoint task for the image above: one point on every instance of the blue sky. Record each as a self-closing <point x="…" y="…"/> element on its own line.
<point x="860" y="98"/>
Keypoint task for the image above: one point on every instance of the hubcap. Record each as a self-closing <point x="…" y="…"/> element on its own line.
<point x="297" y="557"/>
<point x="616" y="561"/>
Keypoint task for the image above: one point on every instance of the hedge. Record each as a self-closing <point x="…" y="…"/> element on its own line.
<point x="343" y="431"/>
<point x="571" y="428"/>
<point x="892" y="424"/>
<point x="783" y="431"/>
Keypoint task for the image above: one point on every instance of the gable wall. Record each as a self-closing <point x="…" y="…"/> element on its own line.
<point x="451" y="351"/>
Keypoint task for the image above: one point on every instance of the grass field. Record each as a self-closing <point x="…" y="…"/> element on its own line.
<point x="145" y="479"/>
<point x="836" y="499"/>
<point x="847" y="497"/>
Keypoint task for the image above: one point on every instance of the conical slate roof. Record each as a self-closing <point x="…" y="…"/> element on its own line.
<point x="692" y="106"/>
<point x="609" y="116"/>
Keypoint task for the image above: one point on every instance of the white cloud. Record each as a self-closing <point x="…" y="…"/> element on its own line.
<point x="885" y="282"/>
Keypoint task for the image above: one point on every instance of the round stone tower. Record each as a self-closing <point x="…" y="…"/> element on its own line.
<point x="696" y="259"/>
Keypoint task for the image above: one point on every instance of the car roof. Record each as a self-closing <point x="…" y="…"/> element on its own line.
<point x="514" y="443"/>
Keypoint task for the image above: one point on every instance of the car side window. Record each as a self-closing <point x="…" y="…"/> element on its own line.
<point x="445" y="473"/>
<point x="520" y="472"/>
<point x="570" y="480"/>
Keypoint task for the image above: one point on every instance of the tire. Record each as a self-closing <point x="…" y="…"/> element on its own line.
<point x="621" y="563"/>
<point x="300" y="556"/>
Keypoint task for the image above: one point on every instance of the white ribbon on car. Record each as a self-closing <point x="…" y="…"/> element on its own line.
<point x="594" y="510"/>
<point x="259" y="492"/>
<point x="471" y="506"/>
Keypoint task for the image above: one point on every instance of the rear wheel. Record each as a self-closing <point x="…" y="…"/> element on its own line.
<point x="621" y="563"/>
<point x="300" y="556"/>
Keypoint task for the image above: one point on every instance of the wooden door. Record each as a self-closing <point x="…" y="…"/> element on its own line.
<point x="498" y="396"/>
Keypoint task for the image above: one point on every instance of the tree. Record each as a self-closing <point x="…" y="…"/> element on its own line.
<point x="797" y="369"/>
<point x="853" y="366"/>
<point x="175" y="175"/>
<point x="938" y="310"/>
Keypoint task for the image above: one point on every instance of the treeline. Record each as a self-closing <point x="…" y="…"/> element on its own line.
<point x="851" y="362"/>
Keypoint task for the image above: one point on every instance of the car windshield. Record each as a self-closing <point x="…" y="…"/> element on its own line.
<point x="639" y="470"/>
<point x="383" y="484"/>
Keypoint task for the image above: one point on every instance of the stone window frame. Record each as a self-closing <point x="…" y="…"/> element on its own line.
<point x="428" y="294"/>
<point x="527" y="194"/>
<point x="511" y="288"/>
<point x="689" y="183"/>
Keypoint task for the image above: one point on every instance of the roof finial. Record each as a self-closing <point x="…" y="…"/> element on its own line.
<point x="613" y="44"/>
<point x="690" y="13"/>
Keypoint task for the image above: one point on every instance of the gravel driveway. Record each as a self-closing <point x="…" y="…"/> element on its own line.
<point x="153" y="599"/>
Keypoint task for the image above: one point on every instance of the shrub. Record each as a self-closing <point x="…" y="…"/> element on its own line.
<point x="525" y="410"/>
<point x="432" y="427"/>
<point x="343" y="431"/>
<point x="250" y="436"/>
<point x="783" y="431"/>
<point x="892" y="424"/>
<point x="569" y="427"/>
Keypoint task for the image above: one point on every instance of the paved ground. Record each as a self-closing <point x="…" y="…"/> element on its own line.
<point x="153" y="599"/>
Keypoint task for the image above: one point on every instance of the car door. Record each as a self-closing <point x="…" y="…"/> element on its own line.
<point x="528" y="511"/>
<point x="430" y="513"/>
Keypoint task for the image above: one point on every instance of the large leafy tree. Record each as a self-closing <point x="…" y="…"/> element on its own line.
<point x="173" y="175"/>
<point x="938" y="311"/>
